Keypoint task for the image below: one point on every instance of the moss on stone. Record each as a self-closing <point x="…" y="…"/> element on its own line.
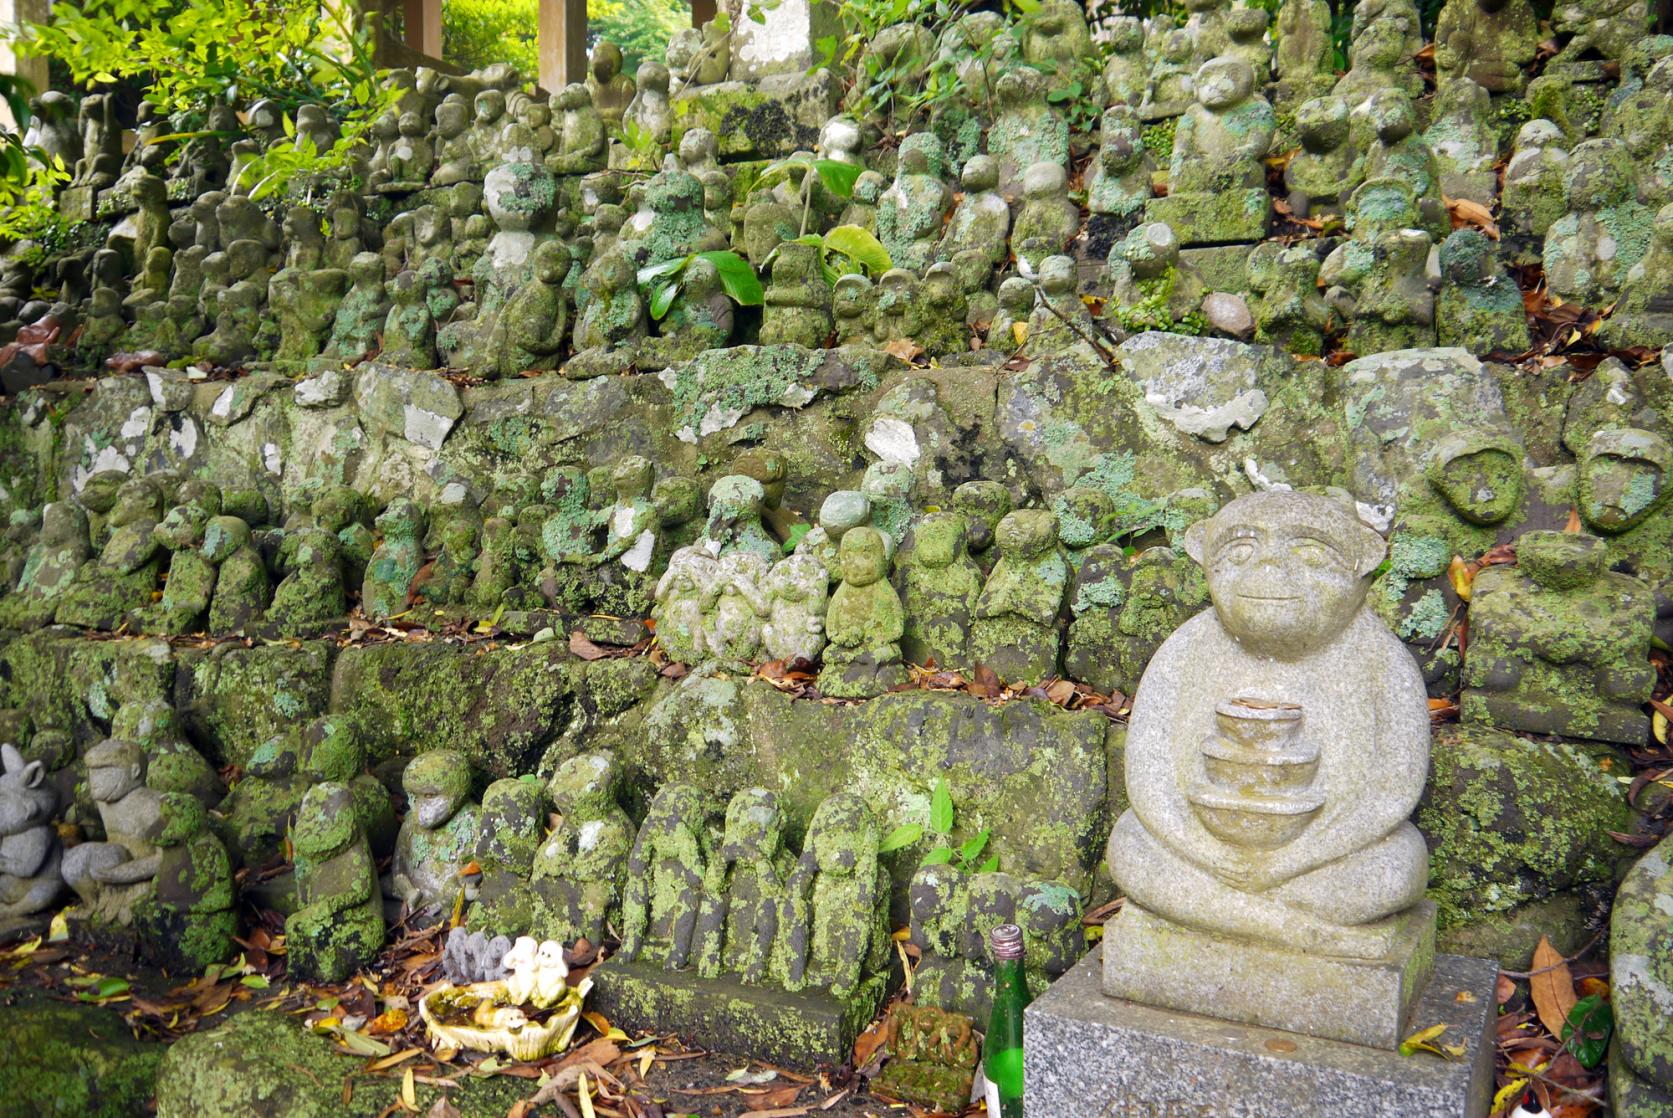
<point x="61" y="1060"/>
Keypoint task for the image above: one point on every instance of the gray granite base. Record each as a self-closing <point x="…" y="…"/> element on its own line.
<point x="1091" y="1056"/>
<point x="1155" y="962"/>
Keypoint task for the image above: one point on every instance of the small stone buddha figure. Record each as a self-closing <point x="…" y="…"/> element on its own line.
<point x="581" y="868"/>
<point x="487" y="122"/>
<point x="338" y="925"/>
<point x="580" y="134"/>
<point x="1047" y="221"/>
<point x="510" y="827"/>
<point x="1149" y="282"/>
<point x="745" y="892"/>
<point x="852" y="302"/>
<point x="1479" y="307"/>
<point x="125" y="573"/>
<point x="1592" y="247"/>
<point x="648" y="116"/>
<point x="1490" y="42"/>
<point x="1395" y="150"/>
<point x="455" y="160"/>
<point x="362" y="312"/>
<point x="31" y="852"/>
<point x="1324" y="171"/>
<point x="1559" y="644"/>
<point x="1170" y="88"/>
<point x="1289" y="311"/>
<point x="1597" y="30"/>
<point x="49" y="566"/>
<point x="798" y="591"/>
<point x="797" y="308"/>
<point x="864" y="621"/>
<point x="1291" y="672"/>
<point x="665" y="876"/>
<point x="837" y="933"/>
<point x="1643" y="315"/>
<point x="390" y="574"/>
<point x="1464" y="141"/>
<point x="910" y="212"/>
<point x="1125" y="69"/>
<point x="736" y="608"/>
<point x="611" y="89"/>
<point x="981" y="220"/>
<point x="188" y="921"/>
<point x="1120" y="182"/>
<point x="614" y="316"/>
<point x="1059" y="321"/>
<point x="242" y="588"/>
<point x="438" y="834"/>
<point x="940" y="584"/>
<point x="1246" y="32"/>
<point x="1027" y="129"/>
<point x="1378" y="60"/>
<point x="111" y="876"/>
<point x="1217" y="167"/>
<point x="530" y="332"/>
<point x="680" y="594"/>
<point x="1622" y="485"/>
<point x="1015" y="631"/>
<point x="842" y="511"/>
<point x="1305" y="54"/>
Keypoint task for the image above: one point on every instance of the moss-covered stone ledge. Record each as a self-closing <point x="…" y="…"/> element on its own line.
<point x="64" y="1060"/>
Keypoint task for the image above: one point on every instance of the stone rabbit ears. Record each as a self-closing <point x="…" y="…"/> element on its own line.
<point x="1332" y="517"/>
<point x="28" y="774"/>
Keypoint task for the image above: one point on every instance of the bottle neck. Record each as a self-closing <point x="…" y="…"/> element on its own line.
<point x="1008" y="979"/>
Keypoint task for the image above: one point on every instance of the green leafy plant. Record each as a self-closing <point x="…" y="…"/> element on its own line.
<point x="28" y="175"/>
<point x="1588" y="1028"/>
<point x="941" y="818"/>
<point x="477" y="33"/>
<point x="662" y="282"/>
<point x="837" y="177"/>
<point x="641" y="28"/>
<point x="848" y="249"/>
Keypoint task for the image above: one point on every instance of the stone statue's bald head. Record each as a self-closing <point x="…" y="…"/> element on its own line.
<point x="1287" y="571"/>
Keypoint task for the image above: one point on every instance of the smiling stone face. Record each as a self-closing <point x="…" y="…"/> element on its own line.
<point x="1286" y="571"/>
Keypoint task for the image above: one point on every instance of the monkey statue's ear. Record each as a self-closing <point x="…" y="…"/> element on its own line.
<point x="1196" y="542"/>
<point x="1372" y="549"/>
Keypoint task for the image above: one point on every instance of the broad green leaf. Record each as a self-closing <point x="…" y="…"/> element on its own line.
<point x="838" y="177"/>
<point x="989" y="866"/>
<point x="861" y="246"/>
<point x="737" y="277"/>
<point x="663" y="299"/>
<point x="972" y="849"/>
<point x="1587" y="1030"/>
<point x="666" y="268"/>
<point x="941" y="808"/>
<point x="940" y="856"/>
<point x="904" y="835"/>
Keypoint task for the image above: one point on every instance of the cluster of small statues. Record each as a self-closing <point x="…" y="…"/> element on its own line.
<point x="498" y="229"/>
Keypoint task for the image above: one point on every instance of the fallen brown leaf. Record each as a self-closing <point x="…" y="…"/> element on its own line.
<point x="1552" y="986"/>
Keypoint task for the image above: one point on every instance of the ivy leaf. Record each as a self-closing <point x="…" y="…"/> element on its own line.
<point x="904" y="835"/>
<point x="737" y="277"/>
<point x="663" y="299"/>
<point x="838" y="177"/>
<point x="860" y="246"/>
<point x="941" y="808"/>
<point x="1587" y="1030"/>
<point x="940" y="856"/>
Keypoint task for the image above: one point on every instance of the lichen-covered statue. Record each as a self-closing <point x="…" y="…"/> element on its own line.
<point x="1278" y="746"/>
<point x="1217" y="180"/>
<point x="665" y="875"/>
<point x="188" y="922"/>
<point x="110" y="877"/>
<point x="338" y="925"/>
<point x="439" y="833"/>
<point x="1015" y="632"/>
<point x="581" y="868"/>
<point x="939" y="587"/>
<point x="746" y="891"/>
<point x="837" y="934"/>
<point x="864" y="621"/>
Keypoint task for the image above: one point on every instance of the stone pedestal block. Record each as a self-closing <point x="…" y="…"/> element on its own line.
<point x="1156" y="962"/>
<point x="1091" y="1056"/>
<point x="794" y="1030"/>
<point x="1230" y="217"/>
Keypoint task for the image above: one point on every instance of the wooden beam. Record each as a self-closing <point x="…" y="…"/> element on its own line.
<point x="702" y="11"/>
<point x="562" y="43"/>
<point x="422" y="22"/>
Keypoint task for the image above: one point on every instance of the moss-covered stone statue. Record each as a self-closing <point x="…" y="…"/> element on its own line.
<point x="1047" y="221"/>
<point x="1622" y="493"/>
<point x="439" y="833"/>
<point x="242" y="589"/>
<point x="939" y="587"/>
<point x="910" y="212"/>
<point x="127" y="568"/>
<point x="510" y="826"/>
<point x="580" y="870"/>
<point x="1643" y="315"/>
<point x="188" y="922"/>
<point x="864" y="621"/>
<point x="311" y="591"/>
<point x="1592" y="247"/>
<point x="31" y="853"/>
<point x="1216" y="181"/>
<point x="745" y="892"/>
<point x="1015" y="631"/>
<point x="798" y="300"/>
<point x="798" y="593"/>
<point x="49" y="566"/>
<point x="111" y="876"/>
<point x="836" y="933"/>
<point x="190" y="583"/>
<point x="1479" y="307"/>
<point x="1532" y="195"/>
<point x="665" y="876"/>
<point x="338" y="926"/>
<point x="1558" y="643"/>
<point x="390" y="574"/>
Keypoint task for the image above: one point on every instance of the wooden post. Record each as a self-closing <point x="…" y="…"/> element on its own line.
<point x="562" y="42"/>
<point x="422" y="22"/>
<point x="702" y="11"/>
<point x="31" y="68"/>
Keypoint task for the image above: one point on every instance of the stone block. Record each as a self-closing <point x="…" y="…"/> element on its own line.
<point x="1156" y="962"/>
<point x="1231" y="217"/>
<point x="76" y="203"/>
<point x="795" y="1030"/>
<point x="1091" y="1056"/>
<point x="779" y="115"/>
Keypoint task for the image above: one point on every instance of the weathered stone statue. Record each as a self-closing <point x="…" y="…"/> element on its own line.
<point x="50" y="566"/>
<point x="1047" y="221"/>
<point x="1015" y="632"/>
<point x="864" y="621"/>
<point x="1170" y="88"/>
<point x="188" y="921"/>
<point x="1643" y="315"/>
<point x="611" y="89"/>
<point x="745" y="892"/>
<point x="580" y="134"/>
<point x="1324" y="171"/>
<point x="1149" y="283"/>
<point x="1396" y="151"/>
<point x="125" y="572"/>
<point x="438" y="834"/>
<point x="1059" y="321"/>
<point x="339" y="924"/>
<point x="1270" y="793"/>
<point x="1378" y="60"/>
<point x="981" y="219"/>
<point x="531" y="330"/>
<point x="665" y="875"/>
<point x="362" y="312"/>
<point x="1490" y="42"/>
<point x="1217" y="180"/>
<point x="798" y="300"/>
<point x="242" y="590"/>
<point x="798" y="590"/>
<point x="510" y="826"/>
<point x="110" y="877"/>
<point x="1479" y="307"/>
<point x="1027" y="129"/>
<point x="939" y="587"/>
<point x="1305" y="55"/>
<point x="1559" y="644"/>
<point x="837" y="935"/>
<point x="581" y="868"/>
<point x="1605" y="230"/>
<point x="1125" y="69"/>
<point x="395" y="564"/>
<point x="1288" y="308"/>
<point x="648" y="118"/>
<point x="910" y="212"/>
<point x="30" y="851"/>
<point x="1120" y="182"/>
<point x="1598" y="30"/>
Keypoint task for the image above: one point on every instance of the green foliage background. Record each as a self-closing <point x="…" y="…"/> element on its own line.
<point x="479" y="32"/>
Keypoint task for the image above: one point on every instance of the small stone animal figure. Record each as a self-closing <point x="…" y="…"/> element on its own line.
<point x="468" y="957"/>
<point x="29" y="848"/>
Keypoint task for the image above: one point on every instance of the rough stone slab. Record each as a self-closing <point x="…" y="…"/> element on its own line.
<point x="1091" y="1056"/>
<point x="795" y="1030"/>
<point x="1231" y="217"/>
<point x="1156" y="962"/>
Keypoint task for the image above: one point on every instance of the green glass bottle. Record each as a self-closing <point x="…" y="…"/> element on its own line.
<point x="1002" y="1050"/>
